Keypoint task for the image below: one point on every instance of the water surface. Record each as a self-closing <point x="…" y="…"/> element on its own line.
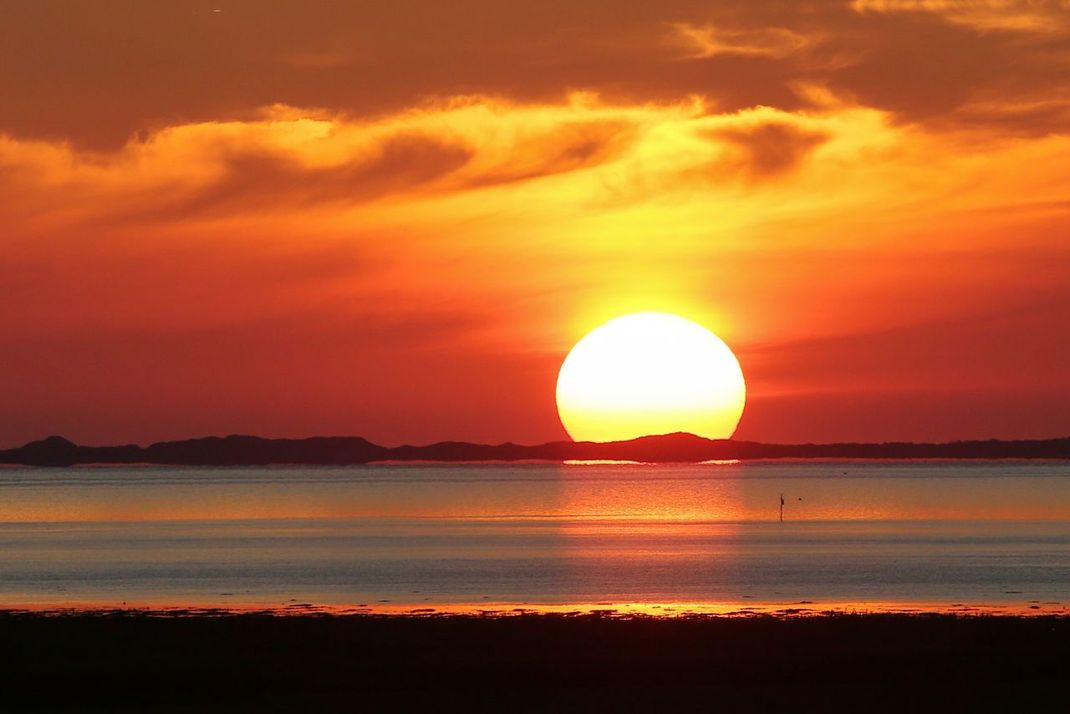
<point x="862" y="534"/>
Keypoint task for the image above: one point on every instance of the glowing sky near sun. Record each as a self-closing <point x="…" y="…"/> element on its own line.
<point x="396" y="219"/>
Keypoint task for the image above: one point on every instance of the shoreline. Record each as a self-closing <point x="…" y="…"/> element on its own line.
<point x="611" y="610"/>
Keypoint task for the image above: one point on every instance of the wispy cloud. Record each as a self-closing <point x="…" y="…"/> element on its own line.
<point x="702" y="41"/>
<point x="1043" y="16"/>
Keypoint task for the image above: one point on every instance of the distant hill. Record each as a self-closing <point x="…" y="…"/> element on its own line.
<point x="680" y="448"/>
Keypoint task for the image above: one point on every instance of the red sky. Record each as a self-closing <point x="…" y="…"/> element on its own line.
<point x="394" y="219"/>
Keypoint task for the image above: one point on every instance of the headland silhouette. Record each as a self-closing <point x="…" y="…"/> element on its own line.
<point x="237" y="450"/>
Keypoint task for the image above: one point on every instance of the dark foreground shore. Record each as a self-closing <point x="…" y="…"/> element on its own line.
<point x="134" y="662"/>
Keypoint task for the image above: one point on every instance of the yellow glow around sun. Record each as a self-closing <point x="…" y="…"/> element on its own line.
<point x="650" y="373"/>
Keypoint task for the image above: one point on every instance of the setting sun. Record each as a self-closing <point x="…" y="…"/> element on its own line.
<point x="650" y="373"/>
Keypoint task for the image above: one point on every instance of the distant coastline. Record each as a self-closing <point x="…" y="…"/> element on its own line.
<point x="669" y="448"/>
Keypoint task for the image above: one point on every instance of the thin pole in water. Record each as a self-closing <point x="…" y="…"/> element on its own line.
<point x="781" y="508"/>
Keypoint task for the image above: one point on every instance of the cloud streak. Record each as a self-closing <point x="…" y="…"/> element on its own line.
<point x="701" y="42"/>
<point x="1040" y="16"/>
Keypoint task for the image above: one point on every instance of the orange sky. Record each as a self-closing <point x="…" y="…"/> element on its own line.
<point x="394" y="219"/>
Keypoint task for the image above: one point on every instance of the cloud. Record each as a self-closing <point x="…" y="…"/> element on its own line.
<point x="1041" y="112"/>
<point x="290" y="158"/>
<point x="1042" y="16"/>
<point x="96" y="75"/>
<point x="772" y="148"/>
<point x="699" y="42"/>
<point x="261" y="178"/>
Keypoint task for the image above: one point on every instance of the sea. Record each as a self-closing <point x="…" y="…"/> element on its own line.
<point x="723" y="537"/>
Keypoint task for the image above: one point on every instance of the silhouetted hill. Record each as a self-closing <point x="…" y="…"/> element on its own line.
<point x="256" y="451"/>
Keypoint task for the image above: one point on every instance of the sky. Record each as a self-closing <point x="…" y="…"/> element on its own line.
<point x="395" y="219"/>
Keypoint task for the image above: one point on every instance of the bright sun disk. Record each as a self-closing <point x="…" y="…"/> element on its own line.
<point x="650" y="373"/>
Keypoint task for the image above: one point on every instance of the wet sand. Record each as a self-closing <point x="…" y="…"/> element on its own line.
<point x="196" y="661"/>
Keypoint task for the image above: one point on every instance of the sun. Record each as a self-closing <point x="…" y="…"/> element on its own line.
<point x="650" y="373"/>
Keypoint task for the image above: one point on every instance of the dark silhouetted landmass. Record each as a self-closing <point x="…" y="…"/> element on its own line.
<point x="679" y="448"/>
<point x="540" y="663"/>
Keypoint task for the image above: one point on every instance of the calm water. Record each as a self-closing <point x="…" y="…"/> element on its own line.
<point x="409" y="536"/>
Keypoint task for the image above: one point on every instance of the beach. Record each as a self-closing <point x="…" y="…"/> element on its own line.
<point x="138" y="661"/>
